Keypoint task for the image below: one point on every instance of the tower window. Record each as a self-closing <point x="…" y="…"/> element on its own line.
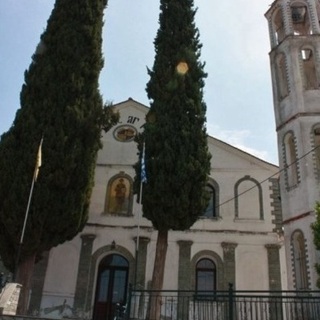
<point x="300" y="20"/>
<point x="299" y="260"/>
<point x="278" y="27"/>
<point x="298" y="14"/>
<point x="290" y="160"/>
<point x="306" y="54"/>
<point x="309" y="69"/>
<point x="282" y="81"/>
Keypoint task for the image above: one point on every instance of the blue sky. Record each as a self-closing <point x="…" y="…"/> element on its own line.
<point x="235" y="39"/>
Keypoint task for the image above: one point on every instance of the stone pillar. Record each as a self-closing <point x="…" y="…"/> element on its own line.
<point x="184" y="272"/>
<point x="274" y="266"/>
<point x="184" y="278"/>
<point x="84" y="268"/>
<point x="38" y="278"/>
<point x="276" y="205"/>
<point x="229" y="262"/>
<point x="141" y="262"/>
<point x="274" y="279"/>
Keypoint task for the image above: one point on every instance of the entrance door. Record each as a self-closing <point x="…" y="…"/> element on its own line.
<point x="112" y="282"/>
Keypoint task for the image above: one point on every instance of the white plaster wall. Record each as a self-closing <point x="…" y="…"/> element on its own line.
<point x="251" y="267"/>
<point x="61" y="276"/>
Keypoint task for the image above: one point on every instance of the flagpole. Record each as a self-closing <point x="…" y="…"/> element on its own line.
<point x="142" y="180"/>
<point x="138" y="233"/>
<point x="34" y="178"/>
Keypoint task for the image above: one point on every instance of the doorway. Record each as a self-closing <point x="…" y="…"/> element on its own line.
<point x="111" y="289"/>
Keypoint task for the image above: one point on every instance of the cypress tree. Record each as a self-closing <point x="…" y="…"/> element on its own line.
<point x="61" y="102"/>
<point x="177" y="160"/>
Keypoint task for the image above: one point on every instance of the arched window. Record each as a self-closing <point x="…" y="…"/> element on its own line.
<point x="206" y="276"/>
<point x="316" y="146"/>
<point x="248" y="199"/>
<point x="299" y="260"/>
<point x="111" y="288"/>
<point x="282" y="80"/>
<point x="309" y="69"/>
<point x="119" y="195"/>
<point x="208" y="263"/>
<point x="300" y="19"/>
<point x="212" y="210"/>
<point x="278" y="26"/>
<point x="290" y="160"/>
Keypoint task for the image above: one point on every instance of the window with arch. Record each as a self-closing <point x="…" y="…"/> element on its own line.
<point x="212" y="210"/>
<point x="278" y="26"/>
<point x="316" y="146"/>
<point x="299" y="260"/>
<point x="119" y="195"/>
<point x="111" y="287"/>
<point x="248" y="199"/>
<point x="282" y="81"/>
<point x="290" y="160"/>
<point x="309" y="68"/>
<point x="300" y="19"/>
<point x="206" y="276"/>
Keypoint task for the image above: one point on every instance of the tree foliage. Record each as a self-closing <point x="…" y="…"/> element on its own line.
<point x="60" y="100"/>
<point x="176" y="154"/>
<point x="316" y="237"/>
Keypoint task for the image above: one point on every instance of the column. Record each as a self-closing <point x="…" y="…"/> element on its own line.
<point x="141" y="261"/>
<point x="37" y="284"/>
<point x="184" y="278"/>
<point x="81" y="294"/>
<point x="184" y="272"/>
<point x="274" y="266"/>
<point x="229" y="262"/>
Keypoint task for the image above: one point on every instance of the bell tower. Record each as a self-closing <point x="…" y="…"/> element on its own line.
<point x="295" y="70"/>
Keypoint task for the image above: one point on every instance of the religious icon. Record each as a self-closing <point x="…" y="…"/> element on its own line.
<point x="119" y="192"/>
<point x="125" y="133"/>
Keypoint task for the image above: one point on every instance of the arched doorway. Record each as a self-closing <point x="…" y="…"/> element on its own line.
<point x="112" y="283"/>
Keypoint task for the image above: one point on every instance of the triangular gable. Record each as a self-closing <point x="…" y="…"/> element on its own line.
<point x="132" y="104"/>
<point x="222" y="152"/>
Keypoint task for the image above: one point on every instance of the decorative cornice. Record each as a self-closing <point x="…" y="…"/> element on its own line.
<point x="298" y="217"/>
<point x="296" y="116"/>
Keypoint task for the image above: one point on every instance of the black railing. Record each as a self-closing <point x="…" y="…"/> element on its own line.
<point x="225" y="305"/>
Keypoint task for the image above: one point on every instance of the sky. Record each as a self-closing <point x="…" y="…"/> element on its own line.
<point x="235" y="39"/>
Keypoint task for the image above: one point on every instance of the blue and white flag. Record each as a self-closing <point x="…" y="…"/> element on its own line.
<point x="143" y="166"/>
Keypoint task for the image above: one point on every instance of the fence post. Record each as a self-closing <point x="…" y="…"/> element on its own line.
<point x="230" y="301"/>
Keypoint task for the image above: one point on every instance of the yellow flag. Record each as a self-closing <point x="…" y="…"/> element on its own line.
<point x="39" y="161"/>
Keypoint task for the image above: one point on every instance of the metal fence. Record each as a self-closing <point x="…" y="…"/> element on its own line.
<point x="225" y="305"/>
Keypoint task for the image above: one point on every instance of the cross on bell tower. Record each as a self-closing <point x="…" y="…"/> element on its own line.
<point x="295" y="69"/>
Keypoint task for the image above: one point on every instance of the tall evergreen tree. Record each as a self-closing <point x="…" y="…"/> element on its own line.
<point x="176" y="155"/>
<point x="61" y="102"/>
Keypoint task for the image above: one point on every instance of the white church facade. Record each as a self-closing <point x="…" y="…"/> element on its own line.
<point x="238" y="239"/>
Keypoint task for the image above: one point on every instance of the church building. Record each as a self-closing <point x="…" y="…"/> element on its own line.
<point x="237" y="240"/>
<point x="255" y="232"/>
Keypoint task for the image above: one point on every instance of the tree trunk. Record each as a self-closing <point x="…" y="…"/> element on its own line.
<point x="158" y="275"/>
<point x="24" y="275"/>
